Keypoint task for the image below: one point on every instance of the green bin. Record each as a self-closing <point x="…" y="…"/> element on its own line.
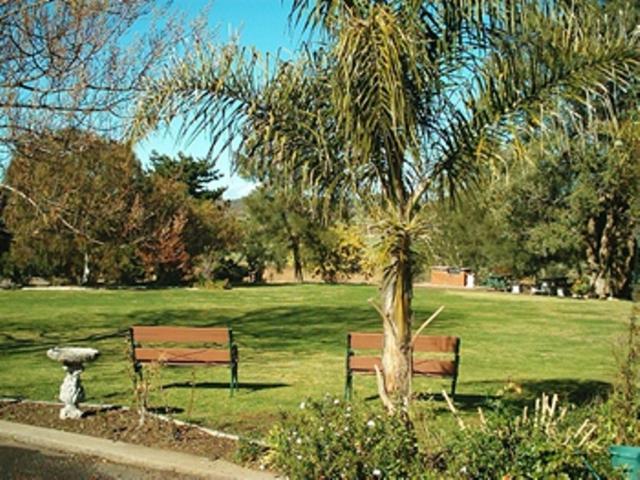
<point x="628" y="458"/>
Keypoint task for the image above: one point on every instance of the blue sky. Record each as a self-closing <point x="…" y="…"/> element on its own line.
<point x="261" y="23"/>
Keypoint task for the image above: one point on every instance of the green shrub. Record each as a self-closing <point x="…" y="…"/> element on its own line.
<point x="333" y="439"/>
<point x="497" y="282"/>
<point x="581" y="286"/>
<point x="540" y="444"/>
<point x="250" y="452"/>
<point x="214" y="284"/>
<point x="621" y="413"/>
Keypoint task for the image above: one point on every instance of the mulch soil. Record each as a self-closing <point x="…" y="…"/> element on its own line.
<point x="123" y="425"/>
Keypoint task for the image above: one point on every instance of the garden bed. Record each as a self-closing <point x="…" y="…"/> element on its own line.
<point x="120" y="424"/>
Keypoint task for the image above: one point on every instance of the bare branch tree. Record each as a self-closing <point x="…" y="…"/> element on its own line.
<point x="75" y="65"/>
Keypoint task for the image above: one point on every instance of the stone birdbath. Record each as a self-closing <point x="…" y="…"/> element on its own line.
<point x="71" y="391"/>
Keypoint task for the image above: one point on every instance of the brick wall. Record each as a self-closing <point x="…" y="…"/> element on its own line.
<point x="442" y="277"/>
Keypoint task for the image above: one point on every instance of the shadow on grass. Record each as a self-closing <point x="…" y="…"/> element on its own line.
<point x="46" y="341"/>
<point x="578" y="392"/>
<point x="293" y="328"/>
<point x="462" y="401"/>
<point x="165" y="410"/>
<point x="575" y="392"/>
<point x="253" y="387"/>
<point x="92" y="412"/>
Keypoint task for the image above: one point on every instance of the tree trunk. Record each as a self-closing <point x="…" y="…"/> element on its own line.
<point x="598" y="255"/>
<point x="297" y="259"/>
<point x="626" y="272"/>
<point x="610" y="252"/>
<point x="86" y="271"/>
<point x="397" y="292"/>
<point x="258" y="275"/>
<point x="294" y="244"/>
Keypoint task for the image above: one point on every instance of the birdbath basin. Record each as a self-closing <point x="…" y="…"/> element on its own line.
<point x="71" y="390"/>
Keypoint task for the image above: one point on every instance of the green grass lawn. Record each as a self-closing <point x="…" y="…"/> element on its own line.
<point x="292" y="345"/>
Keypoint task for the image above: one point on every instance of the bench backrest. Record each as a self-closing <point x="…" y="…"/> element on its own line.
<point x="181" y="334"/>
<point x="424" y="343"/>
<point x="365" y="341"/>
<point x="436" y="344"/>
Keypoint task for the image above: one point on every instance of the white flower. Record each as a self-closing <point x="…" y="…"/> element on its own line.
<point x="376" y="472"/>
<point x="346" y="429"/>
<point x="336" y="401"/>
<point x="298" y="440"/>
<point x="299" y="457"/>
<point x="302" y="405"/>
<point x="321" y="429"/>
<point x="371" y="424"/>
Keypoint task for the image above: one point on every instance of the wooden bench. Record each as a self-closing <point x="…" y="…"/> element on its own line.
<point x="147" y="347"/>
<point x="422" y="365"/>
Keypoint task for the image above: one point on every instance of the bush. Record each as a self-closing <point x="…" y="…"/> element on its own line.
<point x="214" y="284"/>
<point x="332" y="439"/>
<point x="581" y="286"/>
<point x="621" y="413"/>
<point x="543" y="443"/>
<point x="230" y="270"/>
<point x="497" y="282"/>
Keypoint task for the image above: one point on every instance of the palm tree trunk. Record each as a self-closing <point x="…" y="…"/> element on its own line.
<point x="397" y="292"/>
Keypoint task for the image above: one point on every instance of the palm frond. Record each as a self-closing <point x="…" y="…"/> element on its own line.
<point x="210" y="91"/>
<point x="559" y="57"/>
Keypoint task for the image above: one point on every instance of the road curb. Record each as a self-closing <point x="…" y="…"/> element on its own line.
<point x="129" y="454"/>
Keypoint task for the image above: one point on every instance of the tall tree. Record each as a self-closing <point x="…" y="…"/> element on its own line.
<point x="282" y="220"/>
<point x="403" y="101"/>
<point x="196" y="173"/>
<point x="70" y="66"/>
<point x="597" y="202"/>
<point x="92" y="185"/>
<point x="5" y="236"/>
<point x="186" y="217"/>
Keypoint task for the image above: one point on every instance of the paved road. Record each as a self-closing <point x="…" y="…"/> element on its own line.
<point x="28" y="452"/>
<point x="21" y="462"/>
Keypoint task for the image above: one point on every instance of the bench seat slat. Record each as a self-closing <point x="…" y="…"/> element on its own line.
<point x="434" y="368"/>
<point x="365" y="364"/>
<point x="181" y="334"/>
<point x="182" y="355"/>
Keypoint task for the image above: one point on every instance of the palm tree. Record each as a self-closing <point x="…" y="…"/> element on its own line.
<point x="402" y="102"/>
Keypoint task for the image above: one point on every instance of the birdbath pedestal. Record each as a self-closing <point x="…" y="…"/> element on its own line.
<point x="71" y="390"/>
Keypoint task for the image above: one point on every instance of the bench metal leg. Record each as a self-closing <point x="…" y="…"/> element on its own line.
<point x="453" y="387"/>
<point x="348" y="387"/>
<point x="234" y="369"/>
<point x="137" y="368"/>
<point x="455" y="374"/>
<point x="233" y="355"/>
<point x="233" y="386"/>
